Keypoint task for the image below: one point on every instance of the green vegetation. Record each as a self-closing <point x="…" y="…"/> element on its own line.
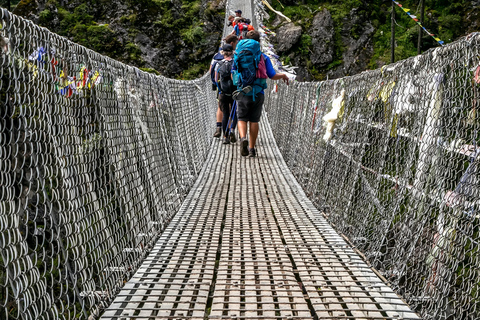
<point x="13" y="3"/>
<point x="186" y="29"/>
<point x="446" y="19"/>
<point x="190" y="29"/>
<point x="80" y="26"/>
<point x="192" y="35"/>
<point x="134" y="52"/>
<point x="305" y="44"/>
<point x="441" y="18"/>
<point x="150" y="70"/>
<point x="45" y="16"/>
<point x="194" y="70"/>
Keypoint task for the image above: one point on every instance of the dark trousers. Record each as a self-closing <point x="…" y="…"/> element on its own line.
<point x="226" y="103"/>
<point x="249" y="110"/>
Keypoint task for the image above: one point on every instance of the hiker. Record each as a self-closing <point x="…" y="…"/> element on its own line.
<point x="238" y="13"/>
<point x="251" y="81"/>
<point x="248" y="22"/>
<point x="241" y="29"/>
<point x="217" y="57"/>
<point x="226" y="88"/>
<point x="232" y="40"/>
<point x="236" y="21"/>
<point x="231" y="21"/>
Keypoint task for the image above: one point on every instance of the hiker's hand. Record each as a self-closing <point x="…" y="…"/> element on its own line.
<point x="282" y="76"/>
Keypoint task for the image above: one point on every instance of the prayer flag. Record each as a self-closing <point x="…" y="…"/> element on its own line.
<point x="416" y="20"/>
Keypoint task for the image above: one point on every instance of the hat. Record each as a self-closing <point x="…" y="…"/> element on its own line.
<point x="227" y="47"/>
<point x="238" y="11"/>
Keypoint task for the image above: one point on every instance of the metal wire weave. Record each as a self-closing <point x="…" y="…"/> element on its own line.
<point x="97" y="156"/>
<point x="391" y="157"/>
<point x="95" y="159"/>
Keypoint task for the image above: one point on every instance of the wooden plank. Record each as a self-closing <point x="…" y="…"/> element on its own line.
<point x="276" y="256"/>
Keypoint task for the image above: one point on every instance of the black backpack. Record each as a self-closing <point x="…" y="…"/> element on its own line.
<point x="217" y="58"/>
<point x="225" y="82"/>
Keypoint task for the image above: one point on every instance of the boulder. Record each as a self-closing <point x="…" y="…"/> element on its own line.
<point x="357" y="34"/>
<point x="322" y="34"/>
<point x="278" y="20"/>
<point x="287" y="36"/>
<point x="142" y="39"/>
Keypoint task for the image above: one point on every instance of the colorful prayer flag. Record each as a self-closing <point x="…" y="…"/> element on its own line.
<point x="416" y="20"/>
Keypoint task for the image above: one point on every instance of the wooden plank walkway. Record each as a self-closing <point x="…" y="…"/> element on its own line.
<point x="248" y="244"/>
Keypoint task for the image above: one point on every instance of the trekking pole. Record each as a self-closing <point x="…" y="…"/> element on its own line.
<point x="234" y="111"/>
<point x="230" y="118"/>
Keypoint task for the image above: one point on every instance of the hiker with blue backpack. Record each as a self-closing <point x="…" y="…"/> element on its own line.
<point x="232" y="40"/>
<point x="250" y="71"/>
<point x="223" y="77"/>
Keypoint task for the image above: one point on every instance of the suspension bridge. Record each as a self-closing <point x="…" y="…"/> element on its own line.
<point x="117" y="203"/>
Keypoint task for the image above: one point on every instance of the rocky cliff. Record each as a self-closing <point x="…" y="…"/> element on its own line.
<point x="175" y="38"/>
<point x="340" y="38"/>
<point x="325" y="38"/>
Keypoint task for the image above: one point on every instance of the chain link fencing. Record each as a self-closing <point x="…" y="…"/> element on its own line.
<point x="95" y="159"/>
<point x="391" y="158"/>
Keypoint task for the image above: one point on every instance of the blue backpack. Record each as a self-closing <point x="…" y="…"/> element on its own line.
<point x="246" y="59"/>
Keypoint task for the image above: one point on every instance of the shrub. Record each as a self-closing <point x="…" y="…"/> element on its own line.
<point x="192" y="35"/>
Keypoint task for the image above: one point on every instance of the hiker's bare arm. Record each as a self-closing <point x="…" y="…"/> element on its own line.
<point x="280" y="76"/>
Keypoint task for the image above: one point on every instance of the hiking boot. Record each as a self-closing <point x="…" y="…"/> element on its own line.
<point x="232" y="137"/>
<point x="218" y="132"/>
<point x="244" y="147"/>
<point x="252" y="153"/>
<point x="226" y="140"/>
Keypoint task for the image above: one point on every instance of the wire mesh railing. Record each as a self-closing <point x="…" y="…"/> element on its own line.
<point x="95" y="159"/>
<point x="97" y="156"/>
<point x="391" y="157"/>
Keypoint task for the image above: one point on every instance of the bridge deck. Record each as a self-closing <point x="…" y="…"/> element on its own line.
<point x="248" y="244"/>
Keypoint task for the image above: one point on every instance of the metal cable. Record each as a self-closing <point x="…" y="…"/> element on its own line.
<point x="391" y="157"/>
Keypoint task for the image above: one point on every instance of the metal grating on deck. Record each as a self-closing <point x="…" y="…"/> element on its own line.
<point x="248" y="244"/>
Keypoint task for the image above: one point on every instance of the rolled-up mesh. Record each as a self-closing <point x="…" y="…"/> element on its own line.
<point x="95" y="159"/>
